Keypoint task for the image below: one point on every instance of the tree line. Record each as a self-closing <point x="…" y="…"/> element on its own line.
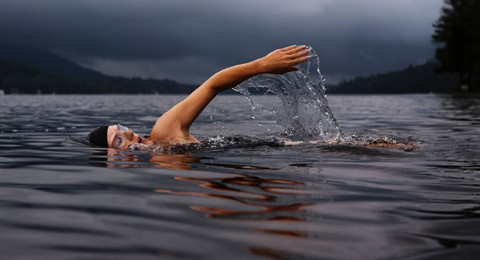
<point x="457" y="32"/>
<point x="16" y="78"/>
<point x="413" y="79"/>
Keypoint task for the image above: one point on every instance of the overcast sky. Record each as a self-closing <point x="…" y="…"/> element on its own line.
<point x="188" y="40"/>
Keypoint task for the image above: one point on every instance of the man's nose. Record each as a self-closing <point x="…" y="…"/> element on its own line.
<point x="128" y="134"/>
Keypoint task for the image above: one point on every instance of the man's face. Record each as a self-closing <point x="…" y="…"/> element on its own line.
<point x="121" y="137"/>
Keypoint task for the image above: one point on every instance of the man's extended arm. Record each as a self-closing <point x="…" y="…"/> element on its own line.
<point x="177" y="121"/>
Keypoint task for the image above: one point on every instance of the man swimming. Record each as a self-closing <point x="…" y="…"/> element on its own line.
<point x="173" y="127"/>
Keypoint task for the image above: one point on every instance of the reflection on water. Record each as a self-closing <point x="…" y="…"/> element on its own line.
<point x="265" y="199"/>
<point x="246" y="193"/>
<point x="248" y="197"/>
<point x="263" y="194"/>
<point x="270" y="197"/>
<point x="127" y="159"/>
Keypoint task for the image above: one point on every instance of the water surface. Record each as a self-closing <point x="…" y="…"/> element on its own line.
<point x="247" y="194"/>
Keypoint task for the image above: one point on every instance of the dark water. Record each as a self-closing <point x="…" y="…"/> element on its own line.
<point x="247" y="195"/>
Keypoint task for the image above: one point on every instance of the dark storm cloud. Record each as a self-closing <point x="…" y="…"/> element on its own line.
<point x="188" y="40"/>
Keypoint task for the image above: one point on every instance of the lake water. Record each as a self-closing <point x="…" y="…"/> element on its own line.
<point x="246" y="195"/>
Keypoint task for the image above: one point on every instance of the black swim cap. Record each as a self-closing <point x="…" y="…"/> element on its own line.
<point x="99" y="136"/>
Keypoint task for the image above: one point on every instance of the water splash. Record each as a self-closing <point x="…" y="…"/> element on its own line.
<point x="356" y="144"/>
<point x="304" y="112"/>
<point x="211" y="143"/>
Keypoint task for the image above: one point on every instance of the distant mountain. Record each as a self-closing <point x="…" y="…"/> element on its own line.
<point x="16" y="78"/>
<point x="414" y="79"/>
<point x="45" y="60"/>
<point x="27" y="70"/>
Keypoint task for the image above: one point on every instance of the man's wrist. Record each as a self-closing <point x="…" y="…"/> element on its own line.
<point x="259" y="66"/>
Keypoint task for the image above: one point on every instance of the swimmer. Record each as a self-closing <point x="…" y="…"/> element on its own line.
<point x="173" y="127"/>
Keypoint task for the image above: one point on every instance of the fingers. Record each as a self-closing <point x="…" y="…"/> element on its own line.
<point x="289" y="48"/>
<point x="300" y="53"/>
<point x="296" y="49"/>
<point x="293" y="49"/>
<point x="300" y="59"/>
<point x="284" y="60"/>
<point x="296" y="55"/>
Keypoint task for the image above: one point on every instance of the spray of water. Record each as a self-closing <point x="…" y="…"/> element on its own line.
<point x="303" y="111"/>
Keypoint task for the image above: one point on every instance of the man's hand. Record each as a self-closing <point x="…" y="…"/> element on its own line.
<point x="284" y="60"/>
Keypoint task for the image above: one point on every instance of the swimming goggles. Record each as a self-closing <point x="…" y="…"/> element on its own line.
<point x="121" y="127"/>
<point x="120" y="140"/>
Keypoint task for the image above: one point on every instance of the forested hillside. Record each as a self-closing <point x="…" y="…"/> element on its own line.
<point x="414" y="79"/>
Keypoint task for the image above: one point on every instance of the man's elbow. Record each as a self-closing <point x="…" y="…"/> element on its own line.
<point x="212" y="86"/>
